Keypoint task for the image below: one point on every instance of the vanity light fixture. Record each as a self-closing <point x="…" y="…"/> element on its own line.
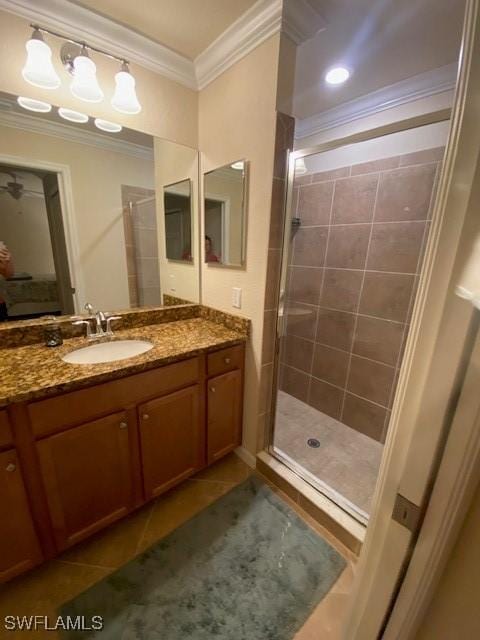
<point x="105" y="125"/>
<point x="72" y="116"/>
<point x="85" y="84"/>
<point x="34" y="105"/>
<point x="39" y="69"/>
<point x="125" y="98"/>
<point x="337" y="75"/>
<point x="74" y="54"/>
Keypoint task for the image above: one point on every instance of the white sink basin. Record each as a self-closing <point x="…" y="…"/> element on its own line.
<point x="108" y="351"/>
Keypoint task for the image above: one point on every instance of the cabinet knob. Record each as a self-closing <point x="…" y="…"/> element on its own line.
<point x="123" y="425"/>
<point x="145" y="416"/>
<point x="10" y="467"/>
<point x="212" y="389"/>
<point x="226" y="360"/>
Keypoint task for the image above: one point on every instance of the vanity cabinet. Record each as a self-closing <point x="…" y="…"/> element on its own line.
<point x="86" y="473"/>
<point x="19" y="547"/>
<point x="172" y="439"/>
<point x="95" y="454"/>
<point x="224" y="411"/>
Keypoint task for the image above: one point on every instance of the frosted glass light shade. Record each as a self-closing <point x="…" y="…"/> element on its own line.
<point x="125" y="98"/>
<point x="38" y="69"/>
<point x="105" y="125"/>
<point x="85" y="84"/>
<point x="72" y="116"/>
<point x="34" y="105"/>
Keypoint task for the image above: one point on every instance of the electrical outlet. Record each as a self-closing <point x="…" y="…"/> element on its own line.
<point x="237" y="297"/>
<point x="172" y="282"/>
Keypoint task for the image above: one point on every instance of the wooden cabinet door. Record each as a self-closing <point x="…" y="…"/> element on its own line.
<point x="87" y="475"/>
<point x="19" y="547"/>
<point x="224" y="409"/>
<point x="172" y="439"/>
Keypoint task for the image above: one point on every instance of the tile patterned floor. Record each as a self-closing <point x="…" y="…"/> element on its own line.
<point x="41" y="591"/>
<point x="347" y="461"/>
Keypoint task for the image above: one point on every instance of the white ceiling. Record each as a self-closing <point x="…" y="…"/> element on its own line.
<point x="383" y="41"/>
<point x="186" y="26"/>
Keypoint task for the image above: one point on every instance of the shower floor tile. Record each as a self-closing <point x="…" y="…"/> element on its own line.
<point x="346" y="460"/>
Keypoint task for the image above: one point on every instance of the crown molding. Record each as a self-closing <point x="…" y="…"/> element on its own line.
<point x="256" y="25"/>
<point x="297" y="19"/>
<point x="420" y="86"/>
<point x="33" y="124"/>
<point x="80" y="23"/>
<point x="301" y="21"/>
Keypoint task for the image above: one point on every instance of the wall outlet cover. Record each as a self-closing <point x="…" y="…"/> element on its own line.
<point x="237" y="297"/>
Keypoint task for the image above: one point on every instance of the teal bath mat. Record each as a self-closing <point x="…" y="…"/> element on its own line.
<point x="245" y="568"/>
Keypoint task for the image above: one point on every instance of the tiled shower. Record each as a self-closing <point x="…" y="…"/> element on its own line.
<point x="352" y="272"/>
<point x="141" y="245"/>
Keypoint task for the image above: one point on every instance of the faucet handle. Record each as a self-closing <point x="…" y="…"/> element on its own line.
<point x="110" y="319"/>
<point x="89" y="309"/>
<point x="86" y="323"/>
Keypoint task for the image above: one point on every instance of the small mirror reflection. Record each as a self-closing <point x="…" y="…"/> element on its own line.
<point x="177" y="199"/>
<point x="225" y="215"/>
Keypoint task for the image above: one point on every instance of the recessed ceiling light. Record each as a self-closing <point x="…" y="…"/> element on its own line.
<point x="105" y="125"/>
<point x="34" y="105"/>
<point x="72" y="116"/>
<point x="337" y="75"/>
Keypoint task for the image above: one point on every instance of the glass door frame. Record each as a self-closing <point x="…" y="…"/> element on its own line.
<point x="429" y="118"/>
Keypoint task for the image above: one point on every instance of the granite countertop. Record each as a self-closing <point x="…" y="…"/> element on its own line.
<point x="36" y="371"/>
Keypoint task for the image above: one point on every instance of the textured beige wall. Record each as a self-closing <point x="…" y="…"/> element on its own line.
<point x="169" y="109"/>
<point x="237" y="120"/>
<point x="98" y="218"/>
<point x="453" y="613"/>
<point x="173" y="163"/>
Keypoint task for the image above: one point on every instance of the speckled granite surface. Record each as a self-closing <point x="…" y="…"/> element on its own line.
<point x="35" y="371"/>
<point x="25" y="332"/>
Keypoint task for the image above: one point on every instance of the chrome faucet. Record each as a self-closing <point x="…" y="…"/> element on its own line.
<point x="100" y="318"/>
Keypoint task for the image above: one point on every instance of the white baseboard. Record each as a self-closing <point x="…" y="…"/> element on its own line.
<point x="246" y="456"/>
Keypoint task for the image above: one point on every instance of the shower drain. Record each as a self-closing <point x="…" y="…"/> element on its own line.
<point x="313" y="442"/>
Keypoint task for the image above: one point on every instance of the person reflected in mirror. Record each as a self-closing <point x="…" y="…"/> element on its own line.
<point x="6" y="271"/>
<point x="209" y="255"/>
<point x="187" y="254"/>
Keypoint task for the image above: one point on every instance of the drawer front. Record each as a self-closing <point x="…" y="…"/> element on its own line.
<point x="6" y="436"/>
<point x="53" y="414"/>
<point x="225" y="360"/>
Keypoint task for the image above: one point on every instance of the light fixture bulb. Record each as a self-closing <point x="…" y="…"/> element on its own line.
<point x="300" y="167"/>
<point x="72" y="116"/>
<point x="85" y="84"/>
<point x="337" y="75"/>
<point x="105" y="125"/>
<point x="34" y="105"/>
<point x="38" y="69"/>
<point x="125" y="98"/>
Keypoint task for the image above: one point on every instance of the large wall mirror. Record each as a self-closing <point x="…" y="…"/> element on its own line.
<point x="225" y="215"/>
<point x="82" y="215"/>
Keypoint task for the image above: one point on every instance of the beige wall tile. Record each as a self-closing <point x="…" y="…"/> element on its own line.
<point x="354" y="199"/>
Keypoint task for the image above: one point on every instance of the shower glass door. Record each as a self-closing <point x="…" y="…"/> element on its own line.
<point x="357" y="223"/>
